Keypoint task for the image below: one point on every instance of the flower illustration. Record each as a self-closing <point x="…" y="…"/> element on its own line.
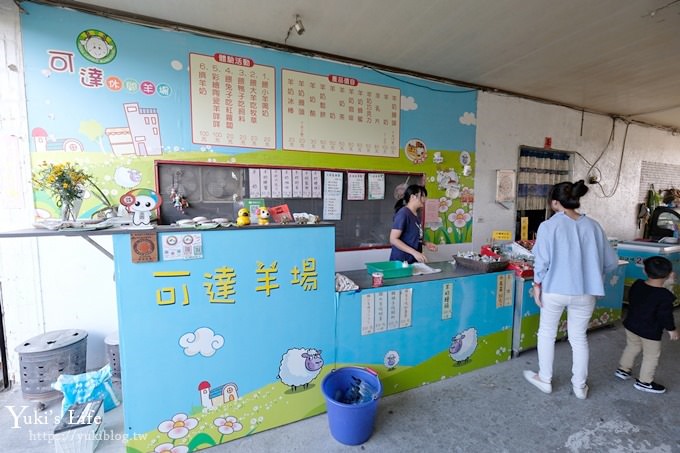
<point x="227" y="425"/>
<point x="459" y="218"/>
<point x="178" y="427"/>
<point x="169" y="448"/>
<point x="444" y="204"/>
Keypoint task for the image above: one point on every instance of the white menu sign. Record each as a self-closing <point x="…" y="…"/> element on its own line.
<point x="336" y="114"/>
<point x="233" y="101"/>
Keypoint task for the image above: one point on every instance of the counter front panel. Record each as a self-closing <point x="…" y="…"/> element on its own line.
<point x="231" y="342"/>
<point x="433" y="327"/>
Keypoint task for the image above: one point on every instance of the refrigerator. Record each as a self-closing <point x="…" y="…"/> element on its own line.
<point x="635" y="252"/>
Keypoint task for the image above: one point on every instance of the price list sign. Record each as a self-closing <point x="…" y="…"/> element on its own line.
<point x="232" y="101"/>
<point x="336" y="114"/>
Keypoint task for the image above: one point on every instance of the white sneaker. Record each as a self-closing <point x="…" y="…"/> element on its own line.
<point x="535" y="380"/>
<point x="581" y="393"/>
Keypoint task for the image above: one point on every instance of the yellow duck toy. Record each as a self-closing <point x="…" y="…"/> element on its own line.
<point x="263" y="216"/>
<point x="243" y="218"/>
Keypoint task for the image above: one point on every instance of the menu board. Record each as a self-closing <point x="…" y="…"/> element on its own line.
<point x="336" y="114"/>
<point x="233" y="101"/>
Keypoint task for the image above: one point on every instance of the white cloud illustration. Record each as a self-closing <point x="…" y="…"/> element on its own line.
<point x="408" y="103"/>
<point x="204" y="341"/>
<point x="468" y="119"/>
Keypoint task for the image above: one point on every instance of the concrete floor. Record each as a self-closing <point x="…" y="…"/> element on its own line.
<point x="489" y="410"/>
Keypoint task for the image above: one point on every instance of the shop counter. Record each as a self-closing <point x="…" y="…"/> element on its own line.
<point x="527" y="313"/>
<point x="227" y="334"/>
<point x="425" y="328"/>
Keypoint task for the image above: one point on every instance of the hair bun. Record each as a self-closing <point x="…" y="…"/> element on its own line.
<point x="579" y="189"/>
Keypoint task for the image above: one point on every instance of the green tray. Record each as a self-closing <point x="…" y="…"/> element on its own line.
<point x="390" y="269"/>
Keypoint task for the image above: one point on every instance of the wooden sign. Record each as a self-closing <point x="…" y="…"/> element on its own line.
<point x="144" y="247"/>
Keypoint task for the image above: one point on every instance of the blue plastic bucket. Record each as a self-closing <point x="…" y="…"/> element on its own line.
<point x="350" y="424"/>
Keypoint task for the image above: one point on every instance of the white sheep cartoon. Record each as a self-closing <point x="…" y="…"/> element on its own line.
<point x="463" y="346"/>
<point x="391" y="360"/>
<point x="299" y="367"/>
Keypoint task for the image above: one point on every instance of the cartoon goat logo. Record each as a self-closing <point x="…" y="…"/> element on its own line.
<point x="463" y="345"/>
<point x="299" y="367"/>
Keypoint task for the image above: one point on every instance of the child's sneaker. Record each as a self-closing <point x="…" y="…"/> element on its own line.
<point x="621" y="374"/>
<point x="651" y="387"/>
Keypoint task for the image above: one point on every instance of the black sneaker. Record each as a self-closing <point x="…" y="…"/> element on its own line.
<point x="651" y="387"/>
<point x="621" y="374"/>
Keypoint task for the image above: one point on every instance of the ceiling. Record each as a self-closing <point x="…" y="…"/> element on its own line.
<point x="618" y="57"/>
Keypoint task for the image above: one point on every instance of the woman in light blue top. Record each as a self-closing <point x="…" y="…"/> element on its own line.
<point x="571" y="256"/>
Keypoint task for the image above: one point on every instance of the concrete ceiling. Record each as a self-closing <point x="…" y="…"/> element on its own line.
<point x="619" y="57"/>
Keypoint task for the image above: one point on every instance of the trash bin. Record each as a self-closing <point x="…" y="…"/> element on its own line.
<point x="44" y="357"/>
<point x="351" y="424"/>
<point x="112" y="344"/>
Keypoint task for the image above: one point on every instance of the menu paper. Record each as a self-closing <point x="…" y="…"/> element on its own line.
<point x="276" y="183"/>
<point x="286" y="183"/>
<point x="447" y="300"/>
<point x="332" y="195"/>
<point x="336" y="114"/>
<point x="356" y="186"/>
<point x="316" y="184"/>
<point x="380" y="312"/>
<point x="376" y="186"/>
<point x="265" y="183"/>
<point x="254" y="182"/>
<point x="367" y="317"/>
<point x="392" y="310"/>
<point x="233" y="101"/>
<point x="306" y="184"/>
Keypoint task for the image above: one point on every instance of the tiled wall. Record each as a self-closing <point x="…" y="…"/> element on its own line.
<point x="663" y="176"/>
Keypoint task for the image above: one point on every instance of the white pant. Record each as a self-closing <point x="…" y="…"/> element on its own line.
<point x="579" y="311"/>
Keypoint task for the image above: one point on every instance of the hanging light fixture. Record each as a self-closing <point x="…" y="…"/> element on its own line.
<point x="298" y="26"/>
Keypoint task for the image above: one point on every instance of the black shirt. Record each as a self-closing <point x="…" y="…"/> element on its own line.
<point x="650" y="310"/>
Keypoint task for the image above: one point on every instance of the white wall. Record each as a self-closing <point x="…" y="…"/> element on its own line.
<point x="61" y="282"/>
<point x="504" y="123"/>
<point x="52" y="283"/>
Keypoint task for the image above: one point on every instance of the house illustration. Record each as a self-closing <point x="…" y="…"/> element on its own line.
<point x="141" y="137"/>
<point x="218" y="396"/>
<point x="43" y="142"/>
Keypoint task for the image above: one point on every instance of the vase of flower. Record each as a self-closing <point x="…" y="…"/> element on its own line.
<point x="70" y="209"/>
<point x="67" y="183"/>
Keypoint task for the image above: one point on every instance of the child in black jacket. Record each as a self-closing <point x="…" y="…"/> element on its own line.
<point x="650" y="311"/>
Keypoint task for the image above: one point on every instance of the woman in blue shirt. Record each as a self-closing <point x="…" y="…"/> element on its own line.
<point x="406" y="235"/>
<point x="571" y="256"/>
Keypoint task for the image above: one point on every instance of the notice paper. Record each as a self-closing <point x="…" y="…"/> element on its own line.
<point x="332" y="195"/>
<point x="356" y="186"/>
<point x="376" y="186"/>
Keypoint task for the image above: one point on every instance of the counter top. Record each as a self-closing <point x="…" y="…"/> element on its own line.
<point x="41" y="232"/>
<point x="364" y="280"/>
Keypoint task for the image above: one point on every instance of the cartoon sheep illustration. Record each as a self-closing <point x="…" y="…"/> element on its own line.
<point x="299" y="367"/>
<point x="463" y="346"/>
<point x="391" y="360"/>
